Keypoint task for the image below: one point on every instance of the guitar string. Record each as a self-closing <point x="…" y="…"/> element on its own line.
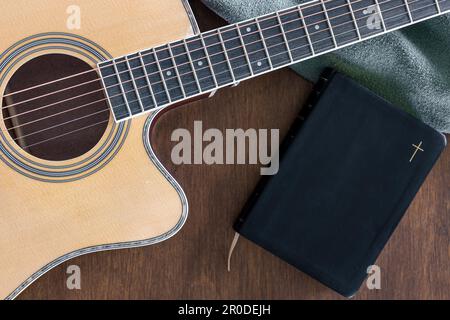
<point x="90" y="115"/>
<point x="176" y="66"/>
<point x="244" y="24"/>
<point x="66" y="134"/>
<point x="237" y="26"/>
<point x="157" y="93"/>
<point x="62" y="124"/>
<point x="178" y="97"/>
<point x="199" y="49"/>
<point x="156" y="73"/>
<point x="263" y="18"/>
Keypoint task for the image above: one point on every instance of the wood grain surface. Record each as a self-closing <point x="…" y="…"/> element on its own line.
<point x="414" y="265"/>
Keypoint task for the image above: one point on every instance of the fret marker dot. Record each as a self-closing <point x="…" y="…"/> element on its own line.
<point x="200" y="63"/>
<point x="259" y="64"/>
<point x="169" y="73"/>
<point x="317" y="27"/>
<point x="249" y="29"/>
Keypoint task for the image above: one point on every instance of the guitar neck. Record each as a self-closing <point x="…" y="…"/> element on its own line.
<point x="152" y="79"/>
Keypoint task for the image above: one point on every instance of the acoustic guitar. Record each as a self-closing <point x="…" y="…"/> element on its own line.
<point x="82" y="84"/>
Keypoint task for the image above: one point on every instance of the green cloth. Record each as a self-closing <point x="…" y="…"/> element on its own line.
<point x="410" y="67"/>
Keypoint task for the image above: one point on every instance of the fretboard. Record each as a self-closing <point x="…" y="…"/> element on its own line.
<point x="155" y="78"/>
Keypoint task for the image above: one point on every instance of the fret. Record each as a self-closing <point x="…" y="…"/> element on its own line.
<point x="295" y="32"/>
<point x="141" y="79"/>
<point x="236" y="53"/>
<point x="266" y="50"/>
<point x="318" y="28"/>
<point x="284" y="36"/>
<point x="409" y="11"/>
<point x="276" y="42"/>
<point x="327" y="18"/>
<point x="421" y="9"/>
<point x="135" y="87"/>
<point x="308" y="36"/>
<point x="438" y="6"/>
<point x="155" y="77"/>
<point x="368" y="17"/>
<point x="380" y="15"/>
<point x="160" y="71"/>
<point x="354" y="19"/>
<point x="226" y="56"/>
<point x="114" y="93"/>
<point x="197" y="81"/>
<point x="220" y="64"/>
<point x="168" y="73"/>
<point x="122" y="89"/>
<point x="342" y="22"/>
<point x="255" y="47"/>
<point x="148" y="97"/>
<point x="176" y="70"/>
<point x="202" y="68"/>
<point x="245" y="50"/>
<point x="185" y="68"/>
<point x="443" y="5"/>
<point x="209" y="60"/>
<point x="395" y="13"/>
<point x="128" y="86"/>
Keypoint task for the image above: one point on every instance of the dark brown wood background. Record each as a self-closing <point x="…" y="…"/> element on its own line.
<point x="415" y="264"/>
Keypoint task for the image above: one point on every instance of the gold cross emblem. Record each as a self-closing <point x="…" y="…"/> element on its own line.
<point x="417" y="149"/>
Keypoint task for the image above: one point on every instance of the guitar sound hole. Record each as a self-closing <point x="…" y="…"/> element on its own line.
<point x="54" y="119"/>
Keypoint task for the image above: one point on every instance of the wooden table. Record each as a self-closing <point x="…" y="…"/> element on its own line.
<point x="414" y="265"/>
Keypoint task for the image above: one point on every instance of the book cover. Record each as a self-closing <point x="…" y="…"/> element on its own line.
<point x="349" y="171"/>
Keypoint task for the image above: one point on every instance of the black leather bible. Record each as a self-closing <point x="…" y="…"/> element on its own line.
<point x="350" y="168"/>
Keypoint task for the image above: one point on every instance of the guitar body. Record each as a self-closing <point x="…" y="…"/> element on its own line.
<point x="55" y="203"/>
